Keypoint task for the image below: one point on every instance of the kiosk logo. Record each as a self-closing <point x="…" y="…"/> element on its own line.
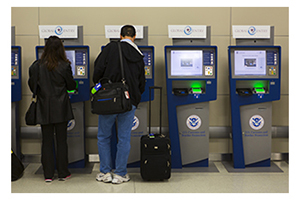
<point x="252" y="30"/>
<point x="188" y="30"/>
<point x="256" y="122"/>
<point x="59" y="30"/>
<point x="135" y="123"/>
<point x="193" y="122"/>
<point x="71" y="125"/>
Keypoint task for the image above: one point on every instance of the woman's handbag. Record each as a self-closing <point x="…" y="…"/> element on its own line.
<point x="30" y="116"/>
<point x="112" y="98"/>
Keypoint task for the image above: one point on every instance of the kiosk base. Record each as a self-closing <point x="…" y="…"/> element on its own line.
<point x="193" y="127"/>
<point x="256" y="122"/>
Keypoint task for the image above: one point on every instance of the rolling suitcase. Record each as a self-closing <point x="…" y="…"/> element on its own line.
<point x="155" y="151"/>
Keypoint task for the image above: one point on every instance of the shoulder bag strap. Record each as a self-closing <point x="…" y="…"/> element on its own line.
<point x="121" y="63"/>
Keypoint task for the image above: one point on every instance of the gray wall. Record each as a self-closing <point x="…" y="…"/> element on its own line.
<point x="27" y="19"/>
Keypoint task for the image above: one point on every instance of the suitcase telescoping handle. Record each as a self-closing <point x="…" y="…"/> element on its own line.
<point x="160" y="105"/>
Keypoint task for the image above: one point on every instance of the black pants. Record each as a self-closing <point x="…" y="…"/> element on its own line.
<point x="48" y="159"/>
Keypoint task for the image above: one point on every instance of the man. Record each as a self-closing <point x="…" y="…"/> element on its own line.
<point x="107" y="65"/>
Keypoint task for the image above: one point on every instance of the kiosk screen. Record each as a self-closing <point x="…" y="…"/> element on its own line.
<point x="71" y="57"/>
<point x="251" y="63"/>
<point x="186" y="62"/>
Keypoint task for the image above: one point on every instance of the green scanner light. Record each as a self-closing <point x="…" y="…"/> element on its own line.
<point x="260" y="90"/>
<point x="258" y="85"/>
<point x="197" y="90"/>
<point x="196" y="85"/>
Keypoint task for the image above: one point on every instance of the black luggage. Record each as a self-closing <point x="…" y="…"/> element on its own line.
<point x="155" y="151"/>
<point x="17" y="167"/>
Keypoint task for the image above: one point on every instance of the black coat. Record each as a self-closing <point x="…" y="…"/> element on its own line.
<point x="53" y="103"/>
<point x="107" y="65"/>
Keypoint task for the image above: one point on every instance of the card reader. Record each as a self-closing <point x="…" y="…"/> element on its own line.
<point x="244" y="91"/>
<point x="180" y="91"/>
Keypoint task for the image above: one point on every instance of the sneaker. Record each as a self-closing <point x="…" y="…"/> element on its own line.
<point x="48" y="180"/>
<point x="106" y="178"/>
<point x="63" y="179"/>
<point x="120" y="179"/>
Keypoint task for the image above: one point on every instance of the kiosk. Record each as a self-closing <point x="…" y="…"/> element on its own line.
<point x="254" y="72"/>
<point x="139" y="126"/>
<point x="191" y="78"/>
<point x="78" y="54"/>
<point x="16" y="96"/>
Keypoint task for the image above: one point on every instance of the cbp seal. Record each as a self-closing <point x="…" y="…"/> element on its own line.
<point x="256" y="122"/>
<point x="135" y="123"/>
<point x="193" y="122"/>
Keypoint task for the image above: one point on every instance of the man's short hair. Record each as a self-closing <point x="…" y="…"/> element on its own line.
<point x="128" y="30"/>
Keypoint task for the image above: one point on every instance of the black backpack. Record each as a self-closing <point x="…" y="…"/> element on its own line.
<point x="17" y="167"/>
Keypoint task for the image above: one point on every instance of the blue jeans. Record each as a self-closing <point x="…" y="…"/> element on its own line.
<point x="105" y="124"/>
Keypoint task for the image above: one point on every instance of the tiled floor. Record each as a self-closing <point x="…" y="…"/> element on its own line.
<point x="180" y="182"/>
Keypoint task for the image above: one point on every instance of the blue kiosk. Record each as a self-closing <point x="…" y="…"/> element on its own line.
<point x="16" y="96"/>
<point x="78" y="54"/>
<point x="140" y="123"/>
<point x="16" y="93"/>
<point x="191" y="78"/>
<point x="254" y="71"/>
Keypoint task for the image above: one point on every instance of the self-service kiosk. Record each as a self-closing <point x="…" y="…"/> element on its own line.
<point x="79" y="58"/>
<point x="254" y="73"/>
<point x="16" y="96"/>
<point x="139" y="126"/>
<point x="191" y="77"/>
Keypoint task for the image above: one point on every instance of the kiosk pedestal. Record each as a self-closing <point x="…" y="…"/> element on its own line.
<point x="16" y="96"/>
<point x="194" y="142"/>
<point x="191" y="83"/>
<point x="254" y="83"/>
<point x="257" y="144"/>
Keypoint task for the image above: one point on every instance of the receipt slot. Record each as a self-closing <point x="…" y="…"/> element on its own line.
<point x="79" y="58"/>
<point x="16" y="96"/>
<point x="254" y="73"/>
<point x="191" y="77"/>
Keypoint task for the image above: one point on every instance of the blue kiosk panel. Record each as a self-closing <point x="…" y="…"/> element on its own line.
<point x="191" y="74"/>
<point x="16" y="96"/>
<point x="79" y="58"/>
<point x="148" y="52"/>
<point x="254" y="83"/>
<point x="16" y="74"/>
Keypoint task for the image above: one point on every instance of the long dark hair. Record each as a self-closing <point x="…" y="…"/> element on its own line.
<point x="54" y="52"/>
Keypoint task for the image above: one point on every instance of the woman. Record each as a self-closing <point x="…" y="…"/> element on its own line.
<point x="53" y="105"/>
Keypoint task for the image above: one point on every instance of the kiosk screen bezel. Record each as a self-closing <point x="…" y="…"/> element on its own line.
<point x="203" y="49"/>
